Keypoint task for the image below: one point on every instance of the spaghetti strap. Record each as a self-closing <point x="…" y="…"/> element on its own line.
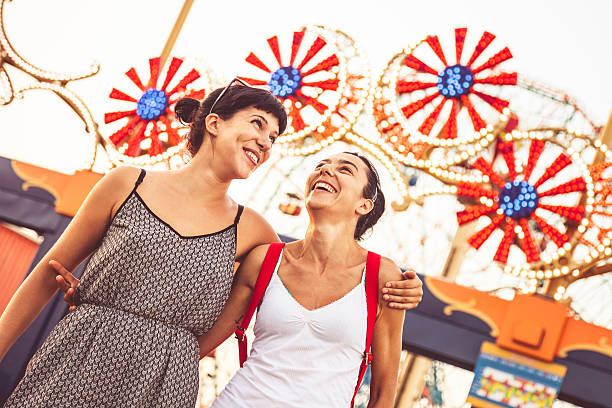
<point x="141" y="176"/>
<point x="238" y="214"/>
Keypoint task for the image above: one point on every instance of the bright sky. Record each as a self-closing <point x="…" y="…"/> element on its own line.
<point x="561" y="43"/>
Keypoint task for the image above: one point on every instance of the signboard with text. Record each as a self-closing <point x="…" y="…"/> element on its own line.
<point x="510" y="380"/>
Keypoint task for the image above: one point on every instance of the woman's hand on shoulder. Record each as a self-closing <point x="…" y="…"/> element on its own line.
<point x="402" y="290"/>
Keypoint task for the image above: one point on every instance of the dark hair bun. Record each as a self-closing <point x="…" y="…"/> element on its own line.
<point x="191" y="112"/>
<point x="186" y="109"/>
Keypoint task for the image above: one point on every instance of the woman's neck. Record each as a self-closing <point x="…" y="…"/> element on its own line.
<point x="199" y="179"/>
<point x="329" y="244"/>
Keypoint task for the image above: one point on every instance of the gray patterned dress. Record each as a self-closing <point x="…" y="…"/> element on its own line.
<point x="145" y="295"/>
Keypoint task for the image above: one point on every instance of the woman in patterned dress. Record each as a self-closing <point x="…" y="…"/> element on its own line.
<point x="163" y="247"/>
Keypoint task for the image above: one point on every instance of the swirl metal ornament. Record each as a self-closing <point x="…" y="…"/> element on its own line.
<point x="45" y="80"/>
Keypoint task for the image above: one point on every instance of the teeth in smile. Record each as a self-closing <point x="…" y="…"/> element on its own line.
<point x="325" y="186"/>
<point x="252" y="156"/>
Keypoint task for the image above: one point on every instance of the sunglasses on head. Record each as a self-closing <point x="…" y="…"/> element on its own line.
<point x="238" y="80"/>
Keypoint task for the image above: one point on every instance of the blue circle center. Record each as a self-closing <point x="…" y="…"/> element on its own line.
<point x="285" y="81"/>
<point x="152" y="104"/>
<point x="455" y="81"/>
<point x="518" y="199"/>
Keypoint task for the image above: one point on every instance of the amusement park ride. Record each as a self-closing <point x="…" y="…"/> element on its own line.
<point x="534" y="187"/>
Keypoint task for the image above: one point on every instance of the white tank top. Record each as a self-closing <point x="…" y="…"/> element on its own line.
<point x="301" y="358"/>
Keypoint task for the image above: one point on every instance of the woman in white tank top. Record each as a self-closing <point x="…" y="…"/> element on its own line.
<point x="311" y="324"/>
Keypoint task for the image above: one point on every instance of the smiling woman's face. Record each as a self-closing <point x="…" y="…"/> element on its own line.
<point x="337" y="183"/>
<point x="244" y="141"/>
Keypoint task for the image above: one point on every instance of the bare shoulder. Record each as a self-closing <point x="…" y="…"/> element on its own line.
<point x="254" y="231"/>
<point x="121" y="178"/>
<point x="253" y="218"/>
<point x="388" y="271"/>
<point x="116" y="185"/>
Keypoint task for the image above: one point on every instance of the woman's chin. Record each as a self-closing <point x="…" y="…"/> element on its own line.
<point x="316" y="203"/>
<point x="243" y="172"/>
<point x="243" y="175"/>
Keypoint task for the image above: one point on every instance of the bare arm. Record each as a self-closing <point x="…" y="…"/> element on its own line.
<point x="242" y="289"/>
<point x="386" y="345"/>
<point x="253" y="231"/>
<point x="81" y="237"/>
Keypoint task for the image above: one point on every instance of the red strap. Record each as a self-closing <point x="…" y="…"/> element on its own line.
<point x="265" y="274"/>
<point x="371" y="288"/>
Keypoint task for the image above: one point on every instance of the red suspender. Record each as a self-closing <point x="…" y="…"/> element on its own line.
<point x="265" y="274"/>
<point x="371" y="288"/>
